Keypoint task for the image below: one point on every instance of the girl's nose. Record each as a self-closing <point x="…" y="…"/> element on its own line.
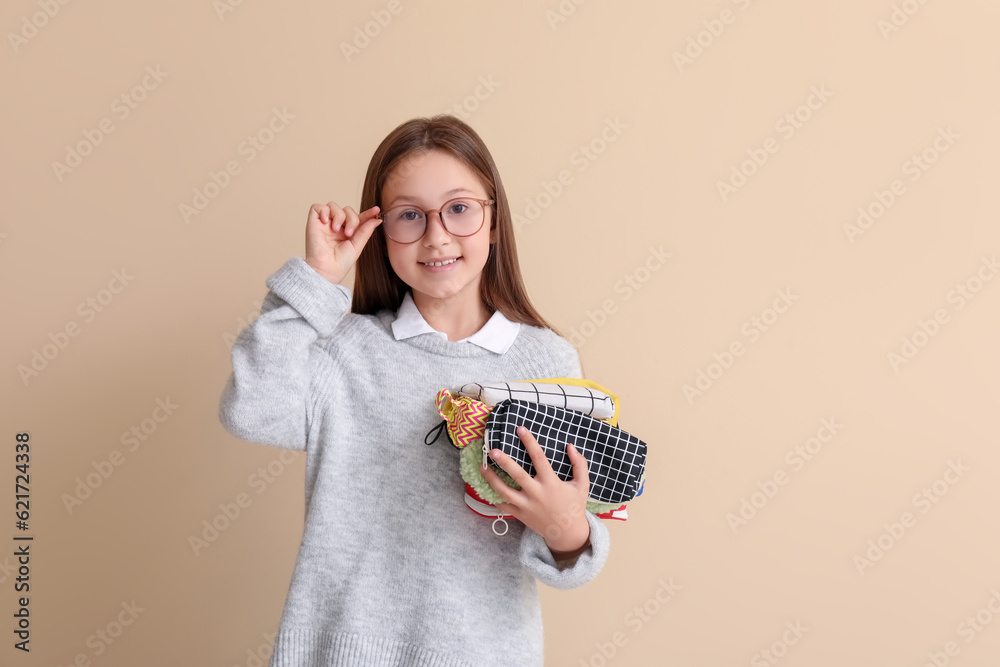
<point x="436" y="234"/>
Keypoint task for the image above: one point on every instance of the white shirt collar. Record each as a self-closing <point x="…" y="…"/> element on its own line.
<point x="497" y="335"/>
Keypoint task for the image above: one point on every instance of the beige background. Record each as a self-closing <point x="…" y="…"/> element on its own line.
<point x="552" y="86"/>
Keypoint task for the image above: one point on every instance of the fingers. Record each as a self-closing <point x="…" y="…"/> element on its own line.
<point x="507" y="493"/>
<point x="329" y="215"/>
<point x="535" y="451"/>
<point x="543" y="469"/>
<point x="580" y="471"/>
<point x="354" y="221"/>
<point x="337" y="216"/>
<point x="509" y="466"/>
<point x="319" y="213"/>
<point x="361" y="229"/>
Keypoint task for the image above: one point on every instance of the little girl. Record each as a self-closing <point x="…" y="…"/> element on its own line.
<point x="393" y="568"/>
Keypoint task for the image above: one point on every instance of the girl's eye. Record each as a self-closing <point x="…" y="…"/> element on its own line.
<point x="459" y="207"/>
<point x="409" y="216"/>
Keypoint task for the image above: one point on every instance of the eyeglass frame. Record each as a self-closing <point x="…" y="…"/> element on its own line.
<point x="427" y="218"/>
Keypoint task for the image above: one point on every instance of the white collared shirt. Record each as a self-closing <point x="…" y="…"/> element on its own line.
<point x="497" y="335"/>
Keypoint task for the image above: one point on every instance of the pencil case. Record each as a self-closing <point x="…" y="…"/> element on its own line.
<point x="586" y="399"/>
<point x="616" y="459"/>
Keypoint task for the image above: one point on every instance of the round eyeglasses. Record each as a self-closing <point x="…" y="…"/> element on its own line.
<point x="462" y="216"/>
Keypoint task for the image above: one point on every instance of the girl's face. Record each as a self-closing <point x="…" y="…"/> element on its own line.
<point x="428" y="179"/>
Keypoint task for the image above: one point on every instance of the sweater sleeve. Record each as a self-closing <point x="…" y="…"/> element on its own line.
<point x="537" y="559"/>
<point x="535" y="555"/>
<point x="573" y="365"/>
<point x="266" y="397"/>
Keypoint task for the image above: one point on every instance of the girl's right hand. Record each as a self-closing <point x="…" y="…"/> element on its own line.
<point x="335" y="237"/>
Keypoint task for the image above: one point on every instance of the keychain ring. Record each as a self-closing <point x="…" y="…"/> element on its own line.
<point x="501" y="520"/>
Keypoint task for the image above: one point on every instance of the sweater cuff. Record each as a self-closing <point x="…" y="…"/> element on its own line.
<point x="536" y="557"/>
<point x="321" y="303"/>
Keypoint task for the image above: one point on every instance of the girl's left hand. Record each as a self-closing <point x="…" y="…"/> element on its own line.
<point x="553" y="508"/>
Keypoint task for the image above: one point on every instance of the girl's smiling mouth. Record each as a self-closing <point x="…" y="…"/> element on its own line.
<point x="439" y="265"/>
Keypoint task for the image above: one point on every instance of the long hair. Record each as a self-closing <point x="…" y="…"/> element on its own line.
<point x="376" y="285"/>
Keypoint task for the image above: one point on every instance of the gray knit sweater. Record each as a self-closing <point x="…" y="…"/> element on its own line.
<point x="393" y="568"/>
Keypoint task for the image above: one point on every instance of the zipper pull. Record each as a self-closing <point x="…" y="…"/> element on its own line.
<point x="501" y="520"/>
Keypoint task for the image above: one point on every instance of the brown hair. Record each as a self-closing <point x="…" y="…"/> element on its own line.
<point x="376" y="285"/>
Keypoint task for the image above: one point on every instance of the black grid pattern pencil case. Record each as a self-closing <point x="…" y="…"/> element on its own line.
<point x="616" y="460"/>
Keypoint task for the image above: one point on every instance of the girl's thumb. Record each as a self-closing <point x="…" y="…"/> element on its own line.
<point x="363" y="232"/>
